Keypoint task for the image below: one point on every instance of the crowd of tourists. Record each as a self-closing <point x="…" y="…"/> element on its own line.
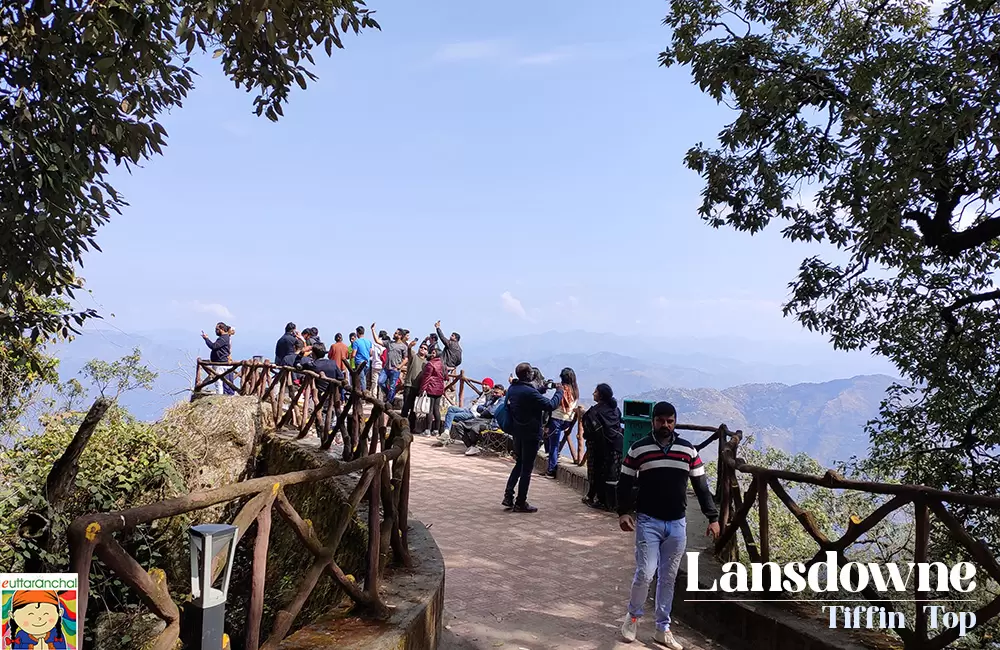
<point x="646" y="485"/>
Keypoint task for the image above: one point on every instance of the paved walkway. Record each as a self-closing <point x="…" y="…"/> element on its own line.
<point x="555" y="579"/>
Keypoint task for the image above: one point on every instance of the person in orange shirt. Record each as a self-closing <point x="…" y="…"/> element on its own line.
<point x="340" y="353"/>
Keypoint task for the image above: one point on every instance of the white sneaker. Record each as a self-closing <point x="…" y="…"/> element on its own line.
<point x="447" y="433"/>
<point x="629" y="628"/>
<point x="666" y="638"/>
<point x="473" y="451"/>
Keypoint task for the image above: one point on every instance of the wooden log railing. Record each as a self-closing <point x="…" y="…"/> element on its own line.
<point x="736" y="507"/>
<point x="383" y="484"/>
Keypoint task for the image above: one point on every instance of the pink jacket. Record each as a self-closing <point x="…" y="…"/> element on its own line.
<point x="432" y="379"/>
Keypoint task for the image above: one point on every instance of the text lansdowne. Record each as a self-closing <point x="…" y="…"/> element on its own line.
<point x="829" y="576"/>
<point x="852" y="577"/>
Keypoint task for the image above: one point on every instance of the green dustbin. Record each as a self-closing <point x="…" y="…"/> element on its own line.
<point x="638" y="417"/>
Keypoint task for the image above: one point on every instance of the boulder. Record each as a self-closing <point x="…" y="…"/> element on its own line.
<point x="218" y="440"/>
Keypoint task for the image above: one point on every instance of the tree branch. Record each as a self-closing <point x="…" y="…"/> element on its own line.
<point x="948" y="313"/>
<point x="62" y="476"/>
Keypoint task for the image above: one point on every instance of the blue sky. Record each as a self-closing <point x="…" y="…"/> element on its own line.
<point x="508" y="168"/>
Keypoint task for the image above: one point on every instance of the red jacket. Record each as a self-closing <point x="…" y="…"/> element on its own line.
<point x="432" y="378"/>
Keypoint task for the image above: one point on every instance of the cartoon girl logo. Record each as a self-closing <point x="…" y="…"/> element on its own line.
<point x="39" y="620"/>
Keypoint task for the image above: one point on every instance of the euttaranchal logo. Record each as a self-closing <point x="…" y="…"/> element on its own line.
<point x="38" y="610"/>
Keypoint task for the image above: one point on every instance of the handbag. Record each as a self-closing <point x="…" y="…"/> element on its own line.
<point x="423" y="405"/>
<point x="502" y="416"/>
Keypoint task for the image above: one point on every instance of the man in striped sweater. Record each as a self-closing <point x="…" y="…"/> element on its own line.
<point x="660" y="466"/>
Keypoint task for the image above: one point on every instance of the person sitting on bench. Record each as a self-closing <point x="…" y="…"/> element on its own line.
<point x="473" y="432"/>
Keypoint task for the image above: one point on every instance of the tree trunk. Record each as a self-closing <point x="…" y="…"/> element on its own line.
<point x="59" y="485"/>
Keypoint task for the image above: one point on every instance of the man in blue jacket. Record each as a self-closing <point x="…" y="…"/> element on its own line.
<point x="526" y="405"/>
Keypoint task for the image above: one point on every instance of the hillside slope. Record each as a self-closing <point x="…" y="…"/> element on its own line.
<point x="825" y="420"/>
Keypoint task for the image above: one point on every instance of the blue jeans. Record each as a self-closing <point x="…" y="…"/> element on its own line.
<point x="391" y="381"/>
<point x="659" y="547"/>
<point x="456" y="414"/>
<point x="553" y="434"/>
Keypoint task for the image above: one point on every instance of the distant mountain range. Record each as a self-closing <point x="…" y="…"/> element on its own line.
<point x="825" y="420"/>
<point x="773" y="401"/>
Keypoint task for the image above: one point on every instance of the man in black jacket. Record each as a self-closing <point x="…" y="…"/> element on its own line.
<point x="220" y="352"/>
<point x="661" y="465"/>
<point x="286" y="344"/>
<point x="526" y="405"/>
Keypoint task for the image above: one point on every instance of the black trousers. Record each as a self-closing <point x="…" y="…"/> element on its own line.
<point x="409" y="399"/>
<point x="526" y="449"/>
<point x="434" y="422"/>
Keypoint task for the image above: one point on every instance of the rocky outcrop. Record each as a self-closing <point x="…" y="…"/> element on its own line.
<point x="217" y="437"/>
<point x="217" y="443"/>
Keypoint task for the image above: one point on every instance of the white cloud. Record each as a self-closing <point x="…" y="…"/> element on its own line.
<point x="513" y="305"/>
<point x="469" y="51"/>
<point x="549" y="57"/>
<point x="213" y="308"/>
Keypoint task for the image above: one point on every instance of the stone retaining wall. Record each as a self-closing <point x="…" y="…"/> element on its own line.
<point x="416" y="595"/>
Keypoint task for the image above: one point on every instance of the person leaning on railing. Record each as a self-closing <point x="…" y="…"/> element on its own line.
<point x="220" y="348"/>
<point x="318" y="362"/>
<point x="562" y="419"/>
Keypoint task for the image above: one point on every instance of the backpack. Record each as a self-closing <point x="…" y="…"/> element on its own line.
<point x="502" y="416"/>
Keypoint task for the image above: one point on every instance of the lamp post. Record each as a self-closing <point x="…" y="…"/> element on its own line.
<point x="209" y="603"/>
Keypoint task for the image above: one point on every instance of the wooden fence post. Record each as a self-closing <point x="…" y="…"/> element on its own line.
<point x="762" y="520"/>
<point x="374" y="537"/>
<point x="461" y="389"/>
<point x="921" y="518"/>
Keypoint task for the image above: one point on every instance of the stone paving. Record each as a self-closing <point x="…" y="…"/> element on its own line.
<point x="558" y="578"/>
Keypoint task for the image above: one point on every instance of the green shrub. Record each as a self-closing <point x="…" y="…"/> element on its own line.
<point x="127" y="463"/>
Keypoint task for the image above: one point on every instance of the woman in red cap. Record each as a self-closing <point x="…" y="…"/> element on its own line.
<point x="35" y="621"/>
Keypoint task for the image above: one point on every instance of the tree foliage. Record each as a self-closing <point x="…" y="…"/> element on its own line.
<point x="82" y="85"/>
<point x="127" y="463"/>
<point x="832" y="510"/>
<point x="24" y="365"/>
<point x="872" y="126"/>
<point x="121" y="376"/>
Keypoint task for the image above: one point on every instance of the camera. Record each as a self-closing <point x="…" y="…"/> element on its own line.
<point x="549" y="384"/>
